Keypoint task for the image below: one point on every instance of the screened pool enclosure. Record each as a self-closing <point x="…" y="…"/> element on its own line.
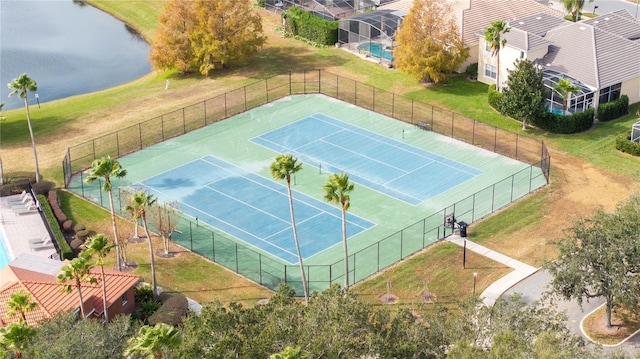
<point x="371" y="34"/>
<point x="327" y="9"/>
<point x="580" y="100"/>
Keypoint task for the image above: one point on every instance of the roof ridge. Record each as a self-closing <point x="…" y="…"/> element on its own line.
<point x="595" y="55"/>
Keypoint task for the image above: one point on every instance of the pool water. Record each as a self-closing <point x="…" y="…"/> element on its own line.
<point x="4" y="255"/>
<point x="376" y="49"/>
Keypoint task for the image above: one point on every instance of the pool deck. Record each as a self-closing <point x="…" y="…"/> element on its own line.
<point x="19" y="229"/>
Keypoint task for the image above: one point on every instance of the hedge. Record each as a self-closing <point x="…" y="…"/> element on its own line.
<point x="174" y="307"/>
<point x="313" y="28"/>
<point x="624" y="144"/>
<point x="573" y="123"/>
<point x="65" y="249"/>
<point x="611" y="110"/>
<point x="495" y="98"/>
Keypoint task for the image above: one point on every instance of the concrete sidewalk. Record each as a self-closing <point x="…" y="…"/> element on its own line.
<point x="495" y="290"/>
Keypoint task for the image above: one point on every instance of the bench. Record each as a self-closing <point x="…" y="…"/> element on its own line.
<point x="424" y="125"/>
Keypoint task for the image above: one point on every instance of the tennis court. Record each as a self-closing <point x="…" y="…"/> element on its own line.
<point x="405" y="179"/>
<point x="252" y="208"/>
<point x="378" y="162"/>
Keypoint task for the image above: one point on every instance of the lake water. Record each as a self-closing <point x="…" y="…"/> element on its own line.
<point x="67" y="48"/>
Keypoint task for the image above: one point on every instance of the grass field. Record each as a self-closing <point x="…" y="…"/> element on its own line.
<point x="586" y="170"/>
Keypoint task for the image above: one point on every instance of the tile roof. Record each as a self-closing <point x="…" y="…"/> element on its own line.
<point x="482" y="13"/>
<point x="619" y="22"/>
<point x="538" y="23"/>
<point x="598" y="58"/>
<point x="523" y="40"/>
<point x="45" y="290"/>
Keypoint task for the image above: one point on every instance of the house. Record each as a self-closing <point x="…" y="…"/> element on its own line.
<point x="37" y="276"/>
<point x="598" y="55"/>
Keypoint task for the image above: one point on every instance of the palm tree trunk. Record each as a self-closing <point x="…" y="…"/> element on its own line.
<point x="33" y="140"/>
<point x="295" y="238"/>
<point x="344" y="246"/>
<point x="152" y="258"/>
<point x="104" y="295"/>
<point x="498" y="87"/>
<point x="116" y="240"/>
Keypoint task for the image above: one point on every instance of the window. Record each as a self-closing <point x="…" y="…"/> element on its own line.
<point x="522" y="54"/>
<point x="490" y="71"/>
<point x="124" y="298"/>
<point x="487" y="46"/>
<point x="610" y="93"/>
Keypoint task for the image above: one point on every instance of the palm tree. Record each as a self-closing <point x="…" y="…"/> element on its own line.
<point x="108" y="168"/>
<point x="99" y="245"/>
<point x="16" y="337"/>
<point x="337" y="191"/>
<point x="138" y="203"/>
<point x="20" y="303"/>
<point x="21" y="86"/>
<point x="76" y="271"/>
<point x="281" y="169"/>
<point x="565" y="88"/>
<point x="153" y="341"/>
<point x="574" y="7"/>
<point x="493" y="35"/>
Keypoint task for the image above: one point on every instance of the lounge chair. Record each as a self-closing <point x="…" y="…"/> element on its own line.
<point x="31" y="208"/>
<point x="41" y="245"/>
<point x="22" y="200"/>
<point x="44" y="238"/>
<point x="26" y="204"/>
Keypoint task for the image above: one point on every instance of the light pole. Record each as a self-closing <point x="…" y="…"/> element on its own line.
<point x="594" y="9"/>
<point x="463" y="233"/>
<point x="38" y="99"/>
<point x="475" y="277"/>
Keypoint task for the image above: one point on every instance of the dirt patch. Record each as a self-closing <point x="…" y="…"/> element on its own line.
<point x="577" y="188"/>
<point x="622" y="326"/>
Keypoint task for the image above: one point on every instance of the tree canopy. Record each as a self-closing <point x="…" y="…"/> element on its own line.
<point x="600" y="257"/>
<point x="206" y="35"/>
<point x="524" y="98"/>
<point x="430" y="41"/>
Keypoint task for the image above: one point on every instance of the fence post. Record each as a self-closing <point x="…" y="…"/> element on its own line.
<point x="190" y="237"/>
<point x="452" y="123"/>
<point x="319" y="84"/>
<point x="82" y="183"/>
<point x="432" y="119"/>
<point x="93" y="143"/>
<point x="266" y="88"/>
<point x="393" y="104"/>
<point x="184" y="124"/>
<point x="355" y="93"/>
<point x="412" y="109"/>
<point x="244" y="92"/>
<point x="473" y="133"/>
<point x="140" y="134"/>
<point x="493" y="197"/>
<point x="373" y="100"/>
<point x="205" y="112"/>
<point x="260" y="267"/>
<point x="118" y="143"/>
<point x="401" y="241"/>
<point x="495" y="138"/>
<point x="225" y="105"/>
<point x="213" y="246"/>
<point x="237" y="265"/>
<point x="289" y="82"/>
<point x="517" y="140"/>
<point x="162" y="125"/>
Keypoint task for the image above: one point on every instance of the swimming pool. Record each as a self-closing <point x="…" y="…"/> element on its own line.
<point x="376" y="49"/>
<point x="4" y="253"/>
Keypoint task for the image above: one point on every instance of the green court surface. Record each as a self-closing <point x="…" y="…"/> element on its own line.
<point x="498" y="181"/>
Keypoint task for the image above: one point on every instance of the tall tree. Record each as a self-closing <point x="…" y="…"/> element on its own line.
<point x="565" y="88"/>
<point x="206" y="35"/>
<point x="99" y="246"/>
<point x="281" y="169"/>
<point x="164" y="218"/>
<point x="21" y="86"/>
<point x="20" y="303"/>
<point x="226" y="32"/>
<point x="337" y="190"/>
<point x="76" y="272"/>
<point x="493" y="35"/>
<point x="574" y="7"/>
<point x="108" y="168"/>
<point x="16" y="338"/>
<point x="524" y="98"/>
<point x="139" y="203"/>
<point x="601" y="258"/>
<point x="430" y="41"/>
<point x="171" y="47"/>
<point x="152" y="342"/>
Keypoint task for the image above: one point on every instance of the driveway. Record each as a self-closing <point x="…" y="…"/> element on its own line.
<point x="533" y="287"/>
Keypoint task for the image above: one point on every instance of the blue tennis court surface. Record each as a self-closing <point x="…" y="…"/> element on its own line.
<point x="252" y="208"/>
<point x="394" y="168"/>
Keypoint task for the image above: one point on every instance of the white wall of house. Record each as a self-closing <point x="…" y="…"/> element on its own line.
<point x="631" y="88"/>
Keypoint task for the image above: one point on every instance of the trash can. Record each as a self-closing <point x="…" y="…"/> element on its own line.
<point x="463" y="229"/>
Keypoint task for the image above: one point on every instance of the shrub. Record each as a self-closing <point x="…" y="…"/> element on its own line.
<point x="260" y="3"/>
<point x="76" y="244"/>
<point x="15" y="184"/>
<point x="80" y="227"/>
<point x="624" y="144"/>
<point x="573" y="123"/>
<point x="63" y="246"/>
<point x="495" y="98"/>
<point x="611" y="110"/>
<point x="313" y="28"/>
<point x="472" y="71"/>
<point x="67" y="226"/>
<point x="82" y="235"/>
<point x="174" y="307"/>
<point x="42" y="187"/>
<point x="143" y="293"/>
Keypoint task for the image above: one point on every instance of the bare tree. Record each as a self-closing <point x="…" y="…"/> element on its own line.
<point x="164" y="218"/>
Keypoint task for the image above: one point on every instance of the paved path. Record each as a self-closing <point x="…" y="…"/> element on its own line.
<point x="495" y="290"/>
